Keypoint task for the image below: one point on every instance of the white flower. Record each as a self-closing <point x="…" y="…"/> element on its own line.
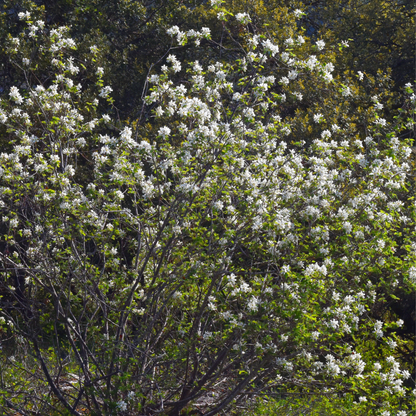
<point x="236" y="96"/>
<point x="122" y="405"/>
<point x="315" y="335"/>
<point x="327" y="76"/>
<point x="159" y="111"/>
<point x="377" y="366"/>
<point x="377" y="329"/>
<point x="405" y="374"/>
<point x="70" y="170"/>
<point x="400" y="323"/>
<point x="326" y="134"/>
<point x="174" y="30"/>
<point x="218" y="205"/>
<point x="347" y="227"/>
<point x="154" y="79"/>
<point x="206" y="32"/>
<point x="243" y="18"/>
<point x="269" y="46"/>
<point x="391" y="343"/>
<point x="380" y="121"/>
<point x="176" y="229"/>
<point x="320" y="44"/>
<point x="346" y="92"/>
<point x="164" y="131"/>
<point x="14" y="222"/>
<point x="15" y="95"/>
<point x="298" y="13"/>
<point x="253" y="304"/>
<point x="412" y="274"/>
<point x="118" y="194"/>
<point x="317" y="118"/>
<point x="285" y="56"/>
<point x="368" y="140"/>
<point x="105" y="92"/>
<point x="3" y="117"/>
<point x="176" y="65"/>
<point x="220" y="75"/>
<point x="333" y="323"/>
<point x="292" y="74"/>
<point x="298" y="95"/>
<point x="24" y="15"/>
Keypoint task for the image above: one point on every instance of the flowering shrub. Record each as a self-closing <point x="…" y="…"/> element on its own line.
<point x="212" y="257"/>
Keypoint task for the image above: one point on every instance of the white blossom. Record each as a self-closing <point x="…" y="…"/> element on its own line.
<point x="105" y="92"/>
<point x="15" y="95"/>
<point x="253" y="304"/>
<point x="317" y="118"/>
<point x="24" y="15"/>
<point x="121" y="405"/>
<point x="412" y="274"/>
<point x="269" y="46"/>
<point x="243" y="18"/>
<point x="377" y="328"/>
<point x="164" y="131"/>
<point x="320" y="44"/>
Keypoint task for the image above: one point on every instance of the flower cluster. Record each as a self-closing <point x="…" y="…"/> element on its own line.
<point x="212" y="230"/>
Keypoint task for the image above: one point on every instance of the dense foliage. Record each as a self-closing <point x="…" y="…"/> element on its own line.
<point x="224" y="214"/>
